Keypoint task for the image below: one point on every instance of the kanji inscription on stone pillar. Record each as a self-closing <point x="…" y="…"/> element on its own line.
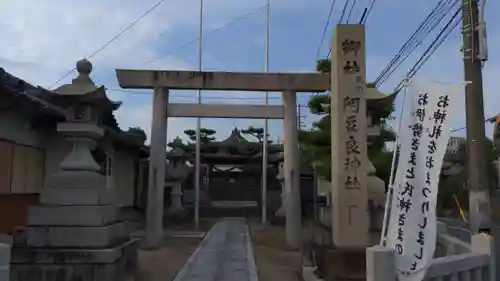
<point x="350" y="218"/>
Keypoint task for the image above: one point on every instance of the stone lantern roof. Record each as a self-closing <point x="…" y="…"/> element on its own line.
<point x="178" y="151"/>
<point x="82" y="90"/>
<point x="377" y="99"/>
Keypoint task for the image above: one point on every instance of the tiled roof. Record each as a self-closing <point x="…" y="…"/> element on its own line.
<point x="33" y="95"/>
<point x="27" y="92"/>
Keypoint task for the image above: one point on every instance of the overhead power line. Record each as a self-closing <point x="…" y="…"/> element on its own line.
<point x="367" y="12"/>
<point x="465" y="127"/>
<point x="442" y="8"/>
<point x="343" y="11"/>
<point x="350" y="10"/>
<point x="364" y="16"/>
<point x="234" y="20"/>
<point x="325" y="29"/>
<point x="132" y="24"/>
<point x="431" y="49"/>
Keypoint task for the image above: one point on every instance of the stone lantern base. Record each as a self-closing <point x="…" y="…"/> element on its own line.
<point x="74" y="234"/>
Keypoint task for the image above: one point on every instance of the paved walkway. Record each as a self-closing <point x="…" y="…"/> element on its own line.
<point x="225" y="254"/>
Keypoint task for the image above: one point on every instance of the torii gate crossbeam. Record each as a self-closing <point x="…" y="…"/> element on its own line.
<point x="223" y="81"/>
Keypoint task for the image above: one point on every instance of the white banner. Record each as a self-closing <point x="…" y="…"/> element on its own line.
<point x="424" y="136"/>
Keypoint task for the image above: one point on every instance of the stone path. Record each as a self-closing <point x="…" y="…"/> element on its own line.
<point x="225" y="254"/>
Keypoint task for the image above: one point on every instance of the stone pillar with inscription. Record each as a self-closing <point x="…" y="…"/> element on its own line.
<point x="350" y="215"/>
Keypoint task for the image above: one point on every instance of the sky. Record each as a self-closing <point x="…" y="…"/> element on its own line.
<point x="43" y="39"/>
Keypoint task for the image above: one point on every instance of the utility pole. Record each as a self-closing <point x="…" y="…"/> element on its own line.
<point x="197" y="175"/>
<point x="479" y="199"/>
<point x="265" y="142"/>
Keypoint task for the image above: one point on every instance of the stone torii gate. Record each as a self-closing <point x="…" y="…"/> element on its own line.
<point x="349" y="122"/>
<point x="163" y="81"/>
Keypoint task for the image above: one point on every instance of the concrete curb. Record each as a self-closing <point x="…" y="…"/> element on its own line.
<point x="253" y="275"/>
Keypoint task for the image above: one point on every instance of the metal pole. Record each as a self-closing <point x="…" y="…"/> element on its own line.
<point x="198" y="125"/>
<point x="315" y="194"/>
<point x="390" y="190"/>
<point x="479" y="200"/>
<point x="266" y="138"/>
<point x="299" y="117"/>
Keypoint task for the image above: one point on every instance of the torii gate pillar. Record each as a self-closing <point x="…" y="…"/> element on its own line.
<point x="292" y="201"/>
<point x="157" y="162"/>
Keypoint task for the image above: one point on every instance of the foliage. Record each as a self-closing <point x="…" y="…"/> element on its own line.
<point x="138" y="133"/>
<point x="206" y="135"/>
<point x="382" y="160"/>
<point x="316" y="142"/>
<point x="257" y="133"/>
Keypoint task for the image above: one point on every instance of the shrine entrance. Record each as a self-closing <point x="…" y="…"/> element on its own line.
<point x="348" y="107"/>
<point x="234" y="170"/>
<point x="161" y="81"/>
<point x="235" y="185"/>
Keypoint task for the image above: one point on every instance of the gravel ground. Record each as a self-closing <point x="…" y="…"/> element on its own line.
<point x="273" y="260"/>
<point x="164" y="263"/>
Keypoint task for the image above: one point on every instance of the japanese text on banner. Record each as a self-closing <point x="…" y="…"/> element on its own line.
<point x="424" y="137"/>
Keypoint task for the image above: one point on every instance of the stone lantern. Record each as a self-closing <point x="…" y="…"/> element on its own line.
<point x="376" y="186"/>
<point x="84" y="104"/>
<point x="280" y="213"/>
<point x="74" y="232"/>
<point x="176" y="173"/>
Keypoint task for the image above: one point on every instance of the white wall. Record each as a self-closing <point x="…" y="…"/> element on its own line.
<point x="16" y="126"/>
<point x="27" y="166"/>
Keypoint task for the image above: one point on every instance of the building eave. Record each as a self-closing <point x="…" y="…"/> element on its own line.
<point x="126" y="139"/>
<point x="26" y="92"/>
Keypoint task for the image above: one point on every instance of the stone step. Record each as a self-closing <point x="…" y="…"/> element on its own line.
<point x="113" y="263"/>
<point x="233" y="204"/>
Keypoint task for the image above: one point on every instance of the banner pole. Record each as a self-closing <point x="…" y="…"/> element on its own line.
<point x="390" y="189"/>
